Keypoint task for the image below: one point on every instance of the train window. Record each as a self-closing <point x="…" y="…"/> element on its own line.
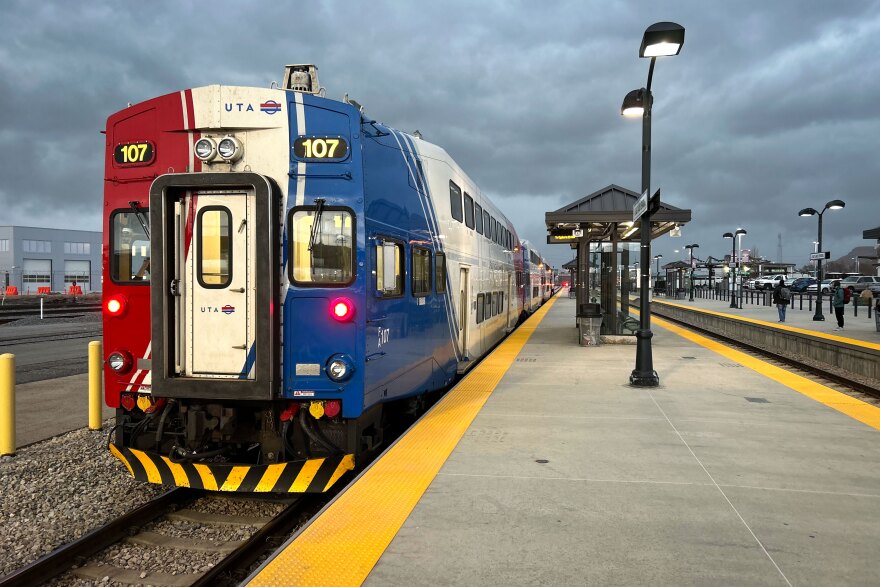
<point x="455" y="201"/>
<point x="321" y="251"/>
<point x="494" y="303"/>
<point x="501" y="302"/>
<point x="388" y="261"/>
<point x="478" y="217"/>
<point x="129" y="248"/>
<point x="487" y="307"/>
<point x="421" y="271"/>
<point x="493" y="227"/>
<point x="487" y="221"/>
<point x="468" y="211"/>
<point x="440" y="277"/>
<point x="480" y="298"/>
<point x="214" y="238"/>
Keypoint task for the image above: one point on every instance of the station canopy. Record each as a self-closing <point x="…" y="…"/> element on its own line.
<point x="605" y="211"/>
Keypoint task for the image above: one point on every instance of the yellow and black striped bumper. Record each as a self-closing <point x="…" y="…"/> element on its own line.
<point x="311" y="476"/>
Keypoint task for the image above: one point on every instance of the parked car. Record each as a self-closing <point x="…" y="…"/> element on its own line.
<point x="768" y="282"/>
<point x="801" y="284"/>
<point x="826" y="286"/>
<point x="857" y="283"/>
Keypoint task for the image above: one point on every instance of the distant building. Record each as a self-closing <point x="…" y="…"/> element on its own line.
<point x="33" y="257"/>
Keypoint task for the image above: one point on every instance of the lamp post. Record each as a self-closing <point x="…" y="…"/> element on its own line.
<point x="832" y="205"/>
<point x="690" y="249"/>
<point x="733" y="263"/>
<point x="660" y="39"/>
<point x="657" y="275"/>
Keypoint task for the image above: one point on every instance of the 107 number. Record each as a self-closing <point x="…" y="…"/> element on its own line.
<point x="134" y="153"/>
<point x="320" y="148"/>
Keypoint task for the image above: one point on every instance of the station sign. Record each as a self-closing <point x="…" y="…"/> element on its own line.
<point x="645" y="204"/>
<point x="820" y="255"/>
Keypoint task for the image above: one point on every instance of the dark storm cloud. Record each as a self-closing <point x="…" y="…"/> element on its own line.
<point x="768" y="109"/>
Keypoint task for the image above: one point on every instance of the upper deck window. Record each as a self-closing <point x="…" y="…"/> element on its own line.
<point x="129" y="248"/>
<point x="455" y="201"/>
<point x="468" y="211"/>
<point x="321" y="246"/>
<point x="478" y="217"/>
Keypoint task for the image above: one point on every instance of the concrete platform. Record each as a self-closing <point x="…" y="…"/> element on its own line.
<point x="858" y="327"/>
<point x="569" y="476"/>
<point x="44" y="409"/>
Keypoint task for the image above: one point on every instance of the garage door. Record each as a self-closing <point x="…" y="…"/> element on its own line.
<point x="36" y="273"/>
<point x="78" y="271"/>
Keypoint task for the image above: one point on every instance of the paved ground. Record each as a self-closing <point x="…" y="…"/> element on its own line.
<point x="859" y="327"/>
<point x="47" y="408"/>
<point x="50" y="348"/>
<point x="568" y="476"/>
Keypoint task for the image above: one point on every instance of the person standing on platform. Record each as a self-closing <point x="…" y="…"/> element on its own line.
<point x="781" y="297"/>
<point x="838" y="302"/>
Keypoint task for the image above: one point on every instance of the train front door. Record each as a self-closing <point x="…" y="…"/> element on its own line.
<point x="214" y="284"/>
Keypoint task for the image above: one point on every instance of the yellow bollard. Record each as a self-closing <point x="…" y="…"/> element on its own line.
<point x="7" y="404"/>
<point x="96" y="374"/>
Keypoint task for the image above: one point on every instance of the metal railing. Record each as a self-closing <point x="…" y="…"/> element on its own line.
<point x="798" y="301"/>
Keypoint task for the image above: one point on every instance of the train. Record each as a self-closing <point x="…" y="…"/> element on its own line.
<point x="285" y="277"/>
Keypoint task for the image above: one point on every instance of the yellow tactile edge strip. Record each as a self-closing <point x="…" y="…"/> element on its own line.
<point x="806" y="331"/>
<point x="852" y="407"/>
<point x="342" y="545"/>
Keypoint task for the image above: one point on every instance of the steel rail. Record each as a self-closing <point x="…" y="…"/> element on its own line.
<point x="61" y="559"/>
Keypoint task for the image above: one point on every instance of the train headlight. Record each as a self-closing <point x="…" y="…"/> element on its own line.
<point x="339" y="368"/>
<point x="119" y="361"/>
<point x="230" y="149"/>
<point x="205" y="149"/>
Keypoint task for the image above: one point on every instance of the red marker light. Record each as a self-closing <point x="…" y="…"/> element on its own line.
<point x="128" y="401"/>
<point x="341" y="309"/>
<point x="332" y="408"/>
<point x="115" y="306"/>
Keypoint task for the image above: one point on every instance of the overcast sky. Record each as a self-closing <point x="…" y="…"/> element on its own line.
<point x="770" y="107"/>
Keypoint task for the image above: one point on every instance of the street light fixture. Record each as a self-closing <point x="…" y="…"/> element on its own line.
<point x="832" y="205"/>
<point x="657" y="278"/>
<point x="690" y="249"/>
<point x="659" y="39"/>
<point x="733" y="263"/>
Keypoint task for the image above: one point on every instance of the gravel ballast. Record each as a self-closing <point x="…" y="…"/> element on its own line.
<point x="54" y="491"/>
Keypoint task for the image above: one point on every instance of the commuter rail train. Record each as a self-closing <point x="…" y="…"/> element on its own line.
<point x="282" y="277"/>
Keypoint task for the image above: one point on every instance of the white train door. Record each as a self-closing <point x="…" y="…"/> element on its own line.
<point x="215" y="278"/>
<point x="463" y="312"/>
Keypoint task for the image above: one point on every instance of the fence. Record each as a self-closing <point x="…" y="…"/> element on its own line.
<point x="798" y="301"/>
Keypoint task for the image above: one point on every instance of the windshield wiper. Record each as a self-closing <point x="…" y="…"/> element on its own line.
<point x="139" y="214"/>
<point x="316" y="225"/>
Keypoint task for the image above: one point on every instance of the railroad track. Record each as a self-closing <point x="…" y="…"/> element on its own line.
<point x="840" y="379"/>
<point x="233" y="558"/>
<point x="13" y="313"/>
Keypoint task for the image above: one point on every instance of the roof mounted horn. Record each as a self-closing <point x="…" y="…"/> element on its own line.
<point x="302" y="77"/>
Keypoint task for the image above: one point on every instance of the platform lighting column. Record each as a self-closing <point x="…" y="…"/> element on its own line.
<point x="657" y="274"/>
<point x="659" y="39"/>
<point x="690" y="249"/>
<point x="731" y="273"/>
<point x="739" y="234"/>
<point x="832" y="205"/>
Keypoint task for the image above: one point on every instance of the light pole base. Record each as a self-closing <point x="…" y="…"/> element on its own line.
<point x="818" y="318"/>
<point x="644" y="379"/>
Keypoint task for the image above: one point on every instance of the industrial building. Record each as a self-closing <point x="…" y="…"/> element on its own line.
<point x="32" y="257"/>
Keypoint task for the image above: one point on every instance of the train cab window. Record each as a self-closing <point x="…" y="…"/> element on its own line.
<point x="214" y="255"/>
<point x="421" y="272"/>
<point x="321" y="251"/>
<point x="480" y="301"/>
<point x="455" y="201"/>
<point x="440" y="273"/>
<point x="388" y="261"/>
<point x="468" y="211"/>
<point x="487" y="222"/>
<point x="478" y="218"/>
<point x="129" y="248"/>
